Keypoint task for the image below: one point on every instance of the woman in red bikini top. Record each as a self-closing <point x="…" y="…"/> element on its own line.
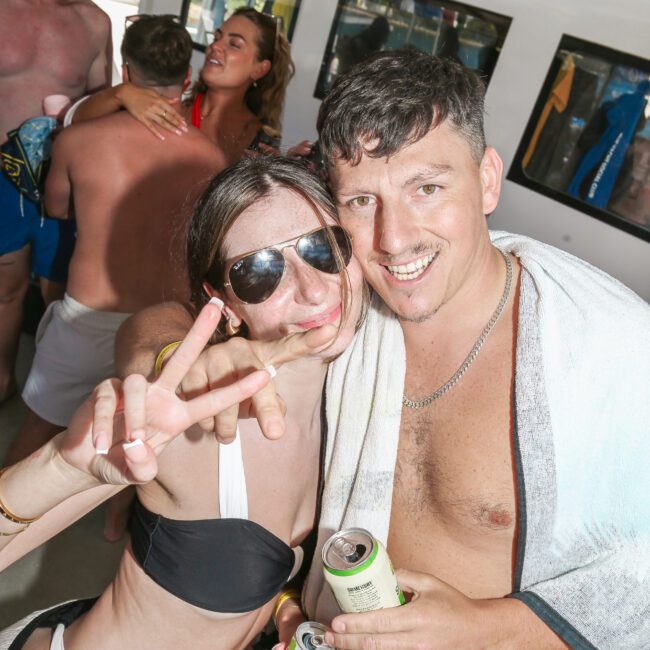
<point x="238" y="99"/>
<point x="237" y="102"/>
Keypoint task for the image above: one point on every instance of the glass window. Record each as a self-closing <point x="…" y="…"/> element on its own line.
<point x="202" y="17"/>
<point x="473" y="36"/>
<point x="587" y="143"/>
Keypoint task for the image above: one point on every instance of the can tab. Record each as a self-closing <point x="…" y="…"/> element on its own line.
<point x="348" y="551"/>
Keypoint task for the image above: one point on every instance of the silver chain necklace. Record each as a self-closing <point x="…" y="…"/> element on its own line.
<point x="421" y="403"/>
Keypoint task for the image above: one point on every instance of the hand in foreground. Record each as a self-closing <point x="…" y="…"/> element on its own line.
<point x="221" y="364"/>
<point x="147" y="416"/>
<point x="438" y="616"/>
<point x="156" y="112"/>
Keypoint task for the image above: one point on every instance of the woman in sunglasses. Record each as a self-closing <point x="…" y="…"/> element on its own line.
<point x="216" y="535"/>
<point x="238" y="99"/>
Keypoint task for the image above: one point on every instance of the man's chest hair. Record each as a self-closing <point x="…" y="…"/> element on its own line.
<point x="440" y="473"/>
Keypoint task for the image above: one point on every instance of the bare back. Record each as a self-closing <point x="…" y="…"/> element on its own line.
<point x="49" y="47"/>
<point x="132" y="196"/>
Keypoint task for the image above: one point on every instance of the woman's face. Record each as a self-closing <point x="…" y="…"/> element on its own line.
<point x="305" y="298"/>
<point x="232" y="59"/>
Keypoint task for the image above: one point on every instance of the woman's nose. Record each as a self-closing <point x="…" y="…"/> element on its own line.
<point x="311" y="284"/>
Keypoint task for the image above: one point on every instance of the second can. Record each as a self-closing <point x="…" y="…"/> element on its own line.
<point x="359" y="571"/>
<point x="310" y="636"/>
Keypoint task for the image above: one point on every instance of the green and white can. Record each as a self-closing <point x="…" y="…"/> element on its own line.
<point x="359" y="572"/>
<point x="310" y="636"/>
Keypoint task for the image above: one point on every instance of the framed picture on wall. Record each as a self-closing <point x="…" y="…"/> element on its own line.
<point x="202" y="17"/>
<point x="587" y="142"/>
<point x="474" y="36"/>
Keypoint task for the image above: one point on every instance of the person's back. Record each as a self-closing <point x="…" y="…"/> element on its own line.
<point x="132" y="196"/>
<point x="51" y="47"/>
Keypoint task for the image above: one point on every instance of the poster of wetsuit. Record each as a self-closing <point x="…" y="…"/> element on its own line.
<point x="587" y="143"/>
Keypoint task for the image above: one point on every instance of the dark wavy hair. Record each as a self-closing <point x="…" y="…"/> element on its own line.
<point x="159" y="49"/>
<point x="393" y="99"/>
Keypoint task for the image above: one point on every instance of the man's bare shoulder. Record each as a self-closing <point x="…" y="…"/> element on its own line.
<point x="91" y="14"/>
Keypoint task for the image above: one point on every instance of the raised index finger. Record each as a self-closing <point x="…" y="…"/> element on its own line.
<point x="192" y="346"/>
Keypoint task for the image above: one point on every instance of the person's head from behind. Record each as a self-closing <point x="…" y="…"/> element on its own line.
<point x="156" y="51"/>
<point x="402" y="134"/>
<point x="264" y="238"/>
<point x="250" y="54"/>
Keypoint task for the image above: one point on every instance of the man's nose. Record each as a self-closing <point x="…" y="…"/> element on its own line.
<point x="394" y="228"/>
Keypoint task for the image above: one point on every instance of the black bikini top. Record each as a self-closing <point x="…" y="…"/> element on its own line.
<point x="229" y="565"/>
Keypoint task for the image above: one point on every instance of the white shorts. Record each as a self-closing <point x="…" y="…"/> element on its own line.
<point x="74" y="353"/>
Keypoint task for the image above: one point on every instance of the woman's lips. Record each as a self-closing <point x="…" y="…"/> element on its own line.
<point x="325" y="317"/>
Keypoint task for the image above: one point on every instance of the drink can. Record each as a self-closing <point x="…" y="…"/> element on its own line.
<point x="310" y="636"/>
<point x="359" y="572"/>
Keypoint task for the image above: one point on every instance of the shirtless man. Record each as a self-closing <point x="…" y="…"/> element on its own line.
<point x="131" y="196"/>
<point x="514" y="504"/>
<point x="49" y="47"/>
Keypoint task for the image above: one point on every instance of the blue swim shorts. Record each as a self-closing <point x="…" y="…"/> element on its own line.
<point x="52" y="240"/>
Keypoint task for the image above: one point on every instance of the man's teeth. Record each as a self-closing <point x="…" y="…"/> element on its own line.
<point x="411" y="270"/>
<point x="214" y="61"/>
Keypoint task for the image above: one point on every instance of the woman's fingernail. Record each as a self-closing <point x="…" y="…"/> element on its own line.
<point x="271" y="370"/>
<point x="134" y="443"/>
<point x="101" y="452"/>
<point x="216" y="301"/>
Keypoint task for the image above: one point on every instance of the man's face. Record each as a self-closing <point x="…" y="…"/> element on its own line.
<point x="417" y="219"/>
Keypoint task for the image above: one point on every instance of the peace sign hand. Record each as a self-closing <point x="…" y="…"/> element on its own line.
<point x="122" y="427"/>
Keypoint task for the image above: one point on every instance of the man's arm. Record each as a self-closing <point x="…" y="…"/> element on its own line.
<point x="58" y="188"/>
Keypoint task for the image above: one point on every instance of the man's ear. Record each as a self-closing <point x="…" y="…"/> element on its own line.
<point x="125" y="73"/>
<point x="188" y="79"/>
<point x="491" y="170"/>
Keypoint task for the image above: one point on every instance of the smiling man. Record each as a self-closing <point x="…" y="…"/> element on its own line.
<point x="498" y="475"/>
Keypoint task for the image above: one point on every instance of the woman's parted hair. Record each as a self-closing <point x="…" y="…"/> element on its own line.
<point x="230" y="193"/>
<point x="396" y="97"/>
<point x="266" y="98"/>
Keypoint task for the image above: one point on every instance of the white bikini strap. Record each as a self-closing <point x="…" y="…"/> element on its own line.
<point x="233" y="498"/>
<point x="57" y="638"/>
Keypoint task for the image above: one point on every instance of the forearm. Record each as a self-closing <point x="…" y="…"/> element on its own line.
<point x="36" y="485"/>
<point x="511" y="625"/>
<point x="103" y="102"/>
<point x="141" y="338"/>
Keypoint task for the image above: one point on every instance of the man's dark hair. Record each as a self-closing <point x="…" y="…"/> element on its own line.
<point x="158" y="49"/>
<point x="394" y="98"/>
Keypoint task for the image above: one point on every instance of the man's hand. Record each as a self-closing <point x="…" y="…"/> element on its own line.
<point x="223" y="363"/>
<point x="438" y="617"/>
<point x="116" y="435"/>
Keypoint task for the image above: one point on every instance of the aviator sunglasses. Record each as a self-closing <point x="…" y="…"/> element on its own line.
<point x="255" y="276"/>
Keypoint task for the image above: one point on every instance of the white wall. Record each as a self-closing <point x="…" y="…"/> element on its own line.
<point x="534" y="34"/>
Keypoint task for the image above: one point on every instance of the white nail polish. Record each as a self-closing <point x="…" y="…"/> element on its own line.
<point x="135" y="443"/>
<point x="101" y="452"/>
<point x="217" y="302"/>
<point x="271" y="370"/>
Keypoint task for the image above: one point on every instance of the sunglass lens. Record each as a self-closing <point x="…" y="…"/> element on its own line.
<point x="255" y="277"/>
<point x="317" y="251"/>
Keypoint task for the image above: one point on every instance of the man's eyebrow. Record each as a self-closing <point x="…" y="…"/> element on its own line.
<point x="428" y="173"/>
